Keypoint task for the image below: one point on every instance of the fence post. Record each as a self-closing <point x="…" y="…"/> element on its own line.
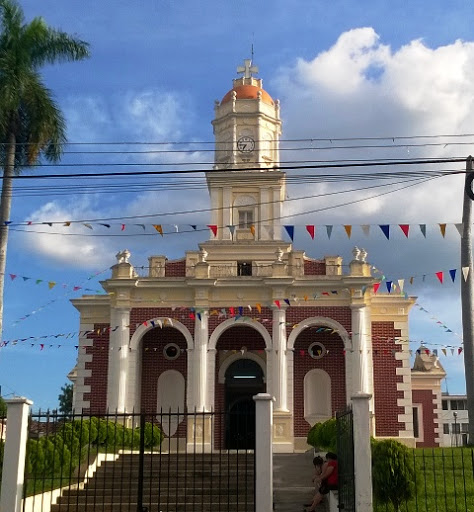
<point x="13" y="474"/>
<point x="362" y="453"/>
<point x="263" y="452"/>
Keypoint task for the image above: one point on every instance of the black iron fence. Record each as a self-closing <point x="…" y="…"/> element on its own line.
<point x="345" y="452"/>
<point x="439" y="480"/>
<point x="169" y="461"/>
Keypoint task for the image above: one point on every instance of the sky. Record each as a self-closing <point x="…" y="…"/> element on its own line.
<point x="390" y="74"/>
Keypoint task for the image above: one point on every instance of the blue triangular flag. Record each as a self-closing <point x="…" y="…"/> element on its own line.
<point x="452" y="273"/>
<point x="423" y="229"/>
<point x="329" y="231"/>
<point x="291" y="231"/>
<point x="386" y="230"/>
<point x="389" y="286"/>
<point x="241" y="310"/>
<point x="194" y="226"/>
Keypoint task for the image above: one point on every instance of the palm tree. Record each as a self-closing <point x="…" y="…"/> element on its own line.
<point x="31" y="125"/>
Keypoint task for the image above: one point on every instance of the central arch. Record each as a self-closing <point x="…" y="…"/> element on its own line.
<point x="243" y="380"/>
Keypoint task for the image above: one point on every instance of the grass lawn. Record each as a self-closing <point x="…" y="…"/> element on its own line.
<point x="444" y="481"/>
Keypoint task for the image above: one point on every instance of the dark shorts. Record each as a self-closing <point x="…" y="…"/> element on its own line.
<point x="325" y="488"/>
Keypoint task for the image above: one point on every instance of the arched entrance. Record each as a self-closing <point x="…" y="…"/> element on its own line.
<point x="243" y="379"/>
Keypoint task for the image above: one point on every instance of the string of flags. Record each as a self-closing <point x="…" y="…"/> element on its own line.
<point x="52" y="301"/>
<point x="312" y="230"/>
<point x="51" y="284"/>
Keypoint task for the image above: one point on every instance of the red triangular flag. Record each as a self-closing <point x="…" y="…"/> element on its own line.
<point x="213" y="228"/>
<point x="405" y="228"/>
<point x="439" y="275"/>
<point x="310" y="230"/>
<point x="376" y="287"/>
<point x="277" y="302"/>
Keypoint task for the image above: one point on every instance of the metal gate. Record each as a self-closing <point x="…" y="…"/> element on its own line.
<point x="162" y="462"/>
<point x="345" y="453"/>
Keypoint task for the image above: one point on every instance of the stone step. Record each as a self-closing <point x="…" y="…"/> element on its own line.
<point x="159" y="507"/>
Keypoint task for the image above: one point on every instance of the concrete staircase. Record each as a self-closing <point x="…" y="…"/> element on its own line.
<point x="172" y="482"/>
<point x="292" y="486"/>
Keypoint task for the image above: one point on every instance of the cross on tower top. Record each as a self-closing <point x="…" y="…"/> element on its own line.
<point x="247" y="69"/>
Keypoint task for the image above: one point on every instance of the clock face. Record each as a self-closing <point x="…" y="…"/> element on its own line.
<point x="245" y="144"/>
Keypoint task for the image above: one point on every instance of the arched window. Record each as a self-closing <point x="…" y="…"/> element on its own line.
<point x="170" y="398"/>
<point x="317" y="396"/>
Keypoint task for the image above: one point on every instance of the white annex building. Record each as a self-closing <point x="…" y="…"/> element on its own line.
<point x="247" y="312"/>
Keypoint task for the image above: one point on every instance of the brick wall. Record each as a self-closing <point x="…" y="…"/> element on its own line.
<point x="333" y="363"/>
<point x="314" y="267"/>
<point x="99" y="366"/>
<point x="427" y="423"/>
<point x="175" y="268"/>
<point x="386" y="379"/>
<point x="140" y="315"/>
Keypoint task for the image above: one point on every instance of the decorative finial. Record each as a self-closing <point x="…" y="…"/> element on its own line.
<point x="363" y="255"/>
<point x="247" y="69"/>
<point x="356" y="253"/>
<point x="123" y="256"/>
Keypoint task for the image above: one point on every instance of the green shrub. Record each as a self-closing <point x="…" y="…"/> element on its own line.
<point x="392" y="473"/>
<point x="323" y="435"/>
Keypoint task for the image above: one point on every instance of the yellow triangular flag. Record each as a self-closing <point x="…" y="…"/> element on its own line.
<point x="67" y="224"/>
<point x="158" y="228"/>
<point x="252" y="229"/>
<point x="259" y="307"/>
<point x="348" y="229"/>
<point x="51" y="284"/>
<point x="442" y="228"/>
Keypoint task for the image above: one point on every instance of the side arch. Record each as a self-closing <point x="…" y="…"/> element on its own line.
<point x="321" y="321"/>
<point x="231" y="322"/>
<point x="143" y="329"/>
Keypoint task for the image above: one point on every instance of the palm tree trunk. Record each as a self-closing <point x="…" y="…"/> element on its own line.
<point x="5" y="208"/>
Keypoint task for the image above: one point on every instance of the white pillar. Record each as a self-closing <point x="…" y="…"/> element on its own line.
<point x="281" y="367"/>
<point x="117" y="381"/>
<point x="362" y="453"/>
<point x="359" y="357"/>
<point x="15" y="453"/>
<point x="201" y="340"/>
<point x="263" y="452"/>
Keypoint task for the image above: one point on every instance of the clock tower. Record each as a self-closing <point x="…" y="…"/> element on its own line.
<point x="246" y="188"/>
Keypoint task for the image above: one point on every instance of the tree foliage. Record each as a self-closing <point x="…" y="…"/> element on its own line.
<point x="392" y="473"/>
<point x="65" y="399"/>
<point x="31" y="124"/>
<point x="323" y="435"/>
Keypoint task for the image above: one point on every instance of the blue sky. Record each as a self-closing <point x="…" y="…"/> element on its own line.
<point x="340" y="69"/>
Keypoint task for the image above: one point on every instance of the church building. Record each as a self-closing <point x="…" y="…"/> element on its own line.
<point x="247" y="312"/>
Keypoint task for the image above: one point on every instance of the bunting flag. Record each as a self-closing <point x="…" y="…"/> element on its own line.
<point x="389" y="286"/>
<point x="158" y="228"/>
<point x="452" y="273"/>
<point x="139" y="225"/>
<point x="365" y="229"/>
<point x="423" y="229"/>
<point x="439" y="275"/>
<point x="329" y="231"/>
<point x="465" y="272"/>
<point x="442" y="228"/>
<point x="401" y="284"/>
<point x="405" y="228"/>
<point x="376" y="287"/>
<point x="213" y="229"/>
<point x="259" y="307"/>
<point x="252" y="229"/>
<point x="104" y="225"/>
<point x="291" y="231"/>
<point x="310" y="230"/>
<point x="231" y="229"/>
<point x="193" y="226"/>
<point x="385" y="230"/>
<point x="460" y="228"/>
<point x="348" y="229"/>
<point x="277" y="302"/>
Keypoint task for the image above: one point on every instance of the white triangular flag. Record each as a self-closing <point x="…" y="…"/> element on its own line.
<point x="465" y="272"/>
<point x="365" y="229"/>
<point x="401" y="283"/>
<point x="460" y="228"/>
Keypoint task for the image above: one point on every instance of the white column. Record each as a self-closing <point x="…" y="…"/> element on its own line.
<point x="201" y="339"/>
<point x="359" y="357"/>
<point x="265" y="213"/>
<point x="15" y="453"/>
<point x="281" y="368"/>
<point x="263" y="452"/>
<point x="117" y="382"/>
<point x="362" y="453"/>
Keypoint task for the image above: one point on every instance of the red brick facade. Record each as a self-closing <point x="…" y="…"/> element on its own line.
<point x="314" y="267"/>
<point x="426" y="417"/>
<point x="175" y="268"/>
<point x="386" y="379"/>
<point x="99" y="367"/>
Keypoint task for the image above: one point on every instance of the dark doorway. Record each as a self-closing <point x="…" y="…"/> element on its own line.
<point x="243" y="380"/>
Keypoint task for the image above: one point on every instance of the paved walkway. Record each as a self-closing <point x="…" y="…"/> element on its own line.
<point x="292" y="481"/>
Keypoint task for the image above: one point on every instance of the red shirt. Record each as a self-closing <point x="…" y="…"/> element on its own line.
<point x="333" y="477"/>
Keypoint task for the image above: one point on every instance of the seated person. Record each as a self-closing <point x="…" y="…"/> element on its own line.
<point x="329" y="480"/>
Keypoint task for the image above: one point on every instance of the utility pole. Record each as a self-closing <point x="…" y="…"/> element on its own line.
<point x="467" y="295"/>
